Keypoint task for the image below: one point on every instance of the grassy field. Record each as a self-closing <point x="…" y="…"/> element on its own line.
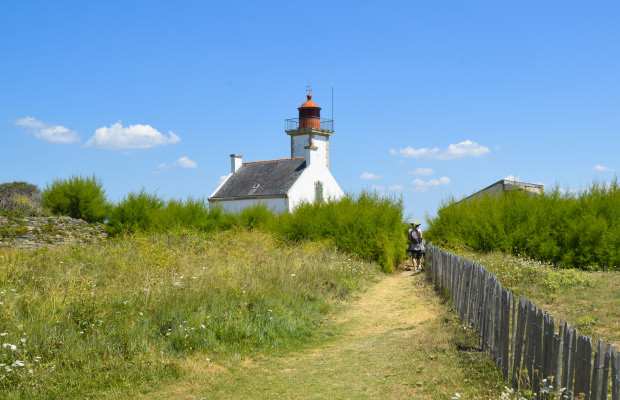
<point x="588" y="300"/>
<point x="397" y="340"/>
<point x="116" y="317"/>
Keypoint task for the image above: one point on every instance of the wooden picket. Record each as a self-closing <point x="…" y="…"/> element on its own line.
<point x="526" y="343"/>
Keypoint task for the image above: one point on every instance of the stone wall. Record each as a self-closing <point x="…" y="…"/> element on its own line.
<point x="38" y="232"/>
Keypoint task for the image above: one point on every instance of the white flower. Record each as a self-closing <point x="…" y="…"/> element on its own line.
<point x="292" y="274"/>
<point x="22" y="340"/>
<point x="18" y="363"/>
<point x="202" y="326"/>
<point x="11" y="346"/>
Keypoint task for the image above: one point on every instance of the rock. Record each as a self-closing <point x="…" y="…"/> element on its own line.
<point x="39" y="232"/>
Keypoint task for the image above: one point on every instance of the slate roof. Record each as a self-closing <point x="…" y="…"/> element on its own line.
<point x="274" y="178"/>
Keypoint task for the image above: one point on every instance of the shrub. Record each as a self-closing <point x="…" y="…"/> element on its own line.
<point x="77" y="197"/>
<point x="368" y="225"/>
<point x="20" y="197"/>
<point x="134" y="213"/>
<point x="570" y="230"/>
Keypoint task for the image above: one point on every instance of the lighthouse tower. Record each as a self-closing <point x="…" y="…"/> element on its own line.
<point x="310" y="132"/>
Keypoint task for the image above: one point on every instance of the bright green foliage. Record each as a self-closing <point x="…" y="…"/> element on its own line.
<point x="367" y="225"/>
<point x="137" y="211"/>
<point x="77" y="197"/>
<point x="570" y="230"/>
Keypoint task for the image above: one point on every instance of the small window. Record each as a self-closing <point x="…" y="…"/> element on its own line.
<point x="318" y="192"/>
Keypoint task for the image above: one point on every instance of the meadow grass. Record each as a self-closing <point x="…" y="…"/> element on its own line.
<point x="588" y="300"/>
<point x="567" y="229"/>
<point x="368" y="225"/>
<point x="78" y="321"/>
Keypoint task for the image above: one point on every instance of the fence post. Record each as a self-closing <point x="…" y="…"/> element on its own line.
<point x="615" y="374"/>
<point x="557" y="360"/>
<point x="518" y="349"/>
<point x="538" y="368"/>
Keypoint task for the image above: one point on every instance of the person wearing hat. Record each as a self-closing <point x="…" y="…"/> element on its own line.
<point x="416" y="244"/>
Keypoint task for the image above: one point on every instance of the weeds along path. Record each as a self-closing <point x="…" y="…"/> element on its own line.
<point x="388" y="344"/>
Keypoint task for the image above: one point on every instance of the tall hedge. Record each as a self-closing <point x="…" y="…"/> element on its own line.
<point x="570" y="229"/>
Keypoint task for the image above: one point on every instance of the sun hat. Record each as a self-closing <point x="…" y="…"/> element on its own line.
<point x="415" y="223"/>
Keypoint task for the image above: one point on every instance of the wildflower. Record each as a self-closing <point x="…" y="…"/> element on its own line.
<point x="30" y="371"/>
<point x="3" y="334"/>
<point x="9" y="345"/>
<point x="18" y="363"/>
<point x="141" y="313"/>
<point x="292" y="274"/>
<point x="22" y="340"/>
<point x="202" y="326"/>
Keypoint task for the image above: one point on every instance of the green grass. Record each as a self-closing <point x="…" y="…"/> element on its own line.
<point x="367" y="225"/>
<point x="78" y="321"/>
<point x="567" y="229"/>
<point x="588" y="300"/>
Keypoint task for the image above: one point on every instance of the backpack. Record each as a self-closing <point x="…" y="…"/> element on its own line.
<point x="414" y="236"/>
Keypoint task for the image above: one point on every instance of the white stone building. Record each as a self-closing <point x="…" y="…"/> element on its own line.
<point x="283" y="184"/>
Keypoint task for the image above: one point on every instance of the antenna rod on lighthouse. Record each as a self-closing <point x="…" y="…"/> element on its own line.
<point x="332" y="105"/>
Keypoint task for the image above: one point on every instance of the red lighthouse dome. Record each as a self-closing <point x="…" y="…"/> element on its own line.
<point x="309" y="114"/>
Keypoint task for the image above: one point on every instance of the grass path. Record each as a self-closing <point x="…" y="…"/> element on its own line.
<point x="390" y="343"/>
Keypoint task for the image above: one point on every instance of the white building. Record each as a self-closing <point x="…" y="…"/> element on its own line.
<point x="504" y="186"/>
<point x="283" y="184"/>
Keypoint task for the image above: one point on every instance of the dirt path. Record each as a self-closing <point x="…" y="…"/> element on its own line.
<point x="387" y="347"/>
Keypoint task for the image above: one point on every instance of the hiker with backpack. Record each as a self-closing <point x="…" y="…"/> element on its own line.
<point x="416" y="245"/>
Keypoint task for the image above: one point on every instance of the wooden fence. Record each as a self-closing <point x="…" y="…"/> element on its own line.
<point x="532" y="350"/>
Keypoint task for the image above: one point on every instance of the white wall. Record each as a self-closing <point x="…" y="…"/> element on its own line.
<point x="303" y="189"/>
<point x="300" y="142"/>
<point x="277" y="206"/>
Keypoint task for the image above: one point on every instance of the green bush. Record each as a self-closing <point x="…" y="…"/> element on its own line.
<point x="136" y="212"/>
<point x="77" y="197"/>
<point x="368" y="225"/>
<point x="567" y="229"/>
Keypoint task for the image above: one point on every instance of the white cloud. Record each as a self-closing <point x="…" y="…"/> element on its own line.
<point x="423" y="186"/>
<point x="466" y="148"/>
<point x="370" y="175"/>
<point x="422" y="171"/>
<point x="47" y="132"/>
<point x="602" y="168"/>
<point x="183" y="162"/>
<point x="130" y="137"/>
<point x="396" y="188"/>
<point x="410" y="152"/>
<point x="378" y="188"/>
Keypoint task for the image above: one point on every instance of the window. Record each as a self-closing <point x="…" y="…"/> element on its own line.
<point x="318" y="192"/>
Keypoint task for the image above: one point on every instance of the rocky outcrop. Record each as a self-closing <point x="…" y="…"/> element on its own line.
<point x="38" y="232"/>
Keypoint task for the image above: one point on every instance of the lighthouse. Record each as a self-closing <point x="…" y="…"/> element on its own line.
<point x="310" y="132"/>
<point x="282" y="184"/>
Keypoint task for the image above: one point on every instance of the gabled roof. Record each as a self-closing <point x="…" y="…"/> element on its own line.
<point x="273" y="178"/>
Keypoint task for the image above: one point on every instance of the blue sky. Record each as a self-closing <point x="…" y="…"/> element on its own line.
<point x="431" y="99"/>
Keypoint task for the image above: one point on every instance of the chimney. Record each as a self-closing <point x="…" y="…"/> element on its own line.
<point x="235" y="162"/>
